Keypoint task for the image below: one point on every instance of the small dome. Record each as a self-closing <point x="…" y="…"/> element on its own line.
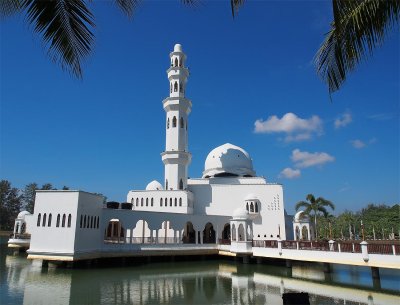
<point x="250" y="197"/>
<point x="228" y="160"/>
<point x="300" y="216"/>
<point x="22" y="214"/>
<point x="240" y="213"/>
<point x="154" y="186"/>
<point x="177" y="48"/>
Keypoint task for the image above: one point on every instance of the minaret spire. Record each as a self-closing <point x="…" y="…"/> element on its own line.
<point x="176" y="156"/>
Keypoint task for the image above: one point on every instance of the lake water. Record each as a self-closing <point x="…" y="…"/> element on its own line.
<point x="218" y="281"/>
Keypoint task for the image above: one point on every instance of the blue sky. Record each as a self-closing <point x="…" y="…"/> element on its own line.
<point x="105" y="133"/>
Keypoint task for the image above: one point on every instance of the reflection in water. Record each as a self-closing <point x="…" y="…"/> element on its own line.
<point x="206" y="282"/>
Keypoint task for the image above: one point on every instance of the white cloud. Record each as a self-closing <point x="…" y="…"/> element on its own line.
<point x="295" y="128"/>
<point x="303" y="159"/>
<point x="290" y="173"/>
<point x="360" y="144"/>
<point x="343" y="120"/>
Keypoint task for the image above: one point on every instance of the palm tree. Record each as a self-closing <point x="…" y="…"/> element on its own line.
<point x="313" y="207"/>
<point x="359" y="26"/>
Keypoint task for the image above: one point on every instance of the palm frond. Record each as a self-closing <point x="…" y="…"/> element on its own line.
<point x="9" y="7"/>
<point x="128" y="7"/>
<point x="310" y="198"/>
<point x="324" y="202"/>
<point x="359" y="26"/>
<point x="64" y="25"/>
<point x="300" y="204"/>
<point x="235" y="5"/>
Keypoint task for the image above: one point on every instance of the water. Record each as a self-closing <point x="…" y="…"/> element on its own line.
<point x="195" y="282"/>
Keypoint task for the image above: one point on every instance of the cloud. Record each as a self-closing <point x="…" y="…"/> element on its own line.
<point x="303" y="159"/>
<point x="290" y="173"/>
<point x="360" y="144"/>
<point x="381" y="116"/>
<point x="295" y="128"/>
<point x="343" y="120"/>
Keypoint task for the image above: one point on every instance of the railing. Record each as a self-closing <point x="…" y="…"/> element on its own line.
<point x="222" y="241"/>
<point x="289" y="244"/>
<point x="20" y="236"/>
<point x="380" y="249"/>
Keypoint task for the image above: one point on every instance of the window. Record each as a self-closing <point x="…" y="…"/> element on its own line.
<point x="176" y="61"/>
<point x="137" y="201"/>
<point x="98" y="218"/>
<point x="49" y="222"/>
<point x="141" y="202"/>
<point x="88" y="222"/>
<point x="63" y="221"/>
<point x="181" y="88"/>
<point x="147" y="202"/>
<point x="180" y="202"/>
<point x="256" y="207"/>
<point x="152" y="201"/>
<point x="170" y="90"/>
<point x="247" y="206"/>
<point x="84" y="222"/>
<point x="160" y="202"/>
<point x="252" y="207"/>
<point x="170" y="202"/>
<point x="181" y="184"/>
<point x="168" y="123"/>
<point x="38" y="219"/>
<point x="174" y="122"/>
<point x="176" y="87"/>
<point x="182" y="124"/>
<point x="176" y="202"/>
<point x="81" y="221"/>
<point x="69" y="220"/>
<point x="166" y="202"/>
<point x="166" y="187"/>
<point x="44" y="220"/>
<point x="91" y="222"/>
<point x="58" y="221"/>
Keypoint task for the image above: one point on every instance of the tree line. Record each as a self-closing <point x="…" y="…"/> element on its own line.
<point x="13" y="200"/>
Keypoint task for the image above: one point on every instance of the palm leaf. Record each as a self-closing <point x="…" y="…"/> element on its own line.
<point x="235" y="5"/>
<point x="64" y="25"/>
<point x="359" y="26"/>
<point x="300" y="204"/>
<point x="127" y="6"/>
<point x="9" y="7"/>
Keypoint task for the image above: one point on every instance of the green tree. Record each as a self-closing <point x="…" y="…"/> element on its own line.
<point x="10" y="205"/>
<point x="359" y="26"/>
<point x="28" y="196"/>
<point x="313" y="207"/>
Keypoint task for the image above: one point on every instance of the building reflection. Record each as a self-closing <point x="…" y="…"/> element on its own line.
<point x="176" y="283"/>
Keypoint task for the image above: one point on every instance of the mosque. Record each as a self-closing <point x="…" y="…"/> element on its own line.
<point x="229" y="205"/>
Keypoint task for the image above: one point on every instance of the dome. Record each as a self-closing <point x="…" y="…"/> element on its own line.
<point x="250" y="197"/>
<point x="22" y="214"/>
<point x="300" y="216"/>
<point x="228" y="160"/>
<point x="177" y="48"/>
<point x="240" y="213"/>
<point x="154" y="186"/>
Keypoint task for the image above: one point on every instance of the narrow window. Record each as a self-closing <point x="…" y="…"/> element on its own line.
<point x="176" y="87"/>
<point x="147" y="202"/>
<point x="176" y="202"/>
<point x="168" y="123"/>
<point x="81" y="221"/>
<point x="141" y="202"/>
<point x="247" y="206"/>
<point x="91" y="222"/>
<point x="84" y="222"/>
<point x="166" y="185"/>
<point x="98" y="218"/>
<point x="132" y="201"/>
<point x="69" y="220"/>
<point x="38" y="219"/>
<point x="181" y="184"/>
<point x="170" y="88"/>
<point x="49" y="222"/>
<point x="88" y="222"/>
<point x="160" y="202"/>
<point x="58" y="221"/>
<point x="44" y="220"/>
<point x="182" y="123"/>
<point x="137" y="202"/>
<point x="63" y="221"/>
<point x="180" y="62"/>
<point x="152" y="201"/>
<point x="174" y="122"/>
<point x="256" y="207"/>
<point x="252" y="207"/>
<point x="176" y="61"/>
<point x="166" y="202"/>
<point x="170" y="202"/>
<point x="180" y="202"/>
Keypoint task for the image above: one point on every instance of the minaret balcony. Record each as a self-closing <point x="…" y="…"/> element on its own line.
<point x="177" y="103"/>
<point x="176" y="157"/>
<point x="181" y="71"/>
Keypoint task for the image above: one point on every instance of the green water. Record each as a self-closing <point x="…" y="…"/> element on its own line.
<point x="189" y="282"/>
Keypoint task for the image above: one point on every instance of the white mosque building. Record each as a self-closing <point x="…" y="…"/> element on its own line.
<point x="224" y="210"/>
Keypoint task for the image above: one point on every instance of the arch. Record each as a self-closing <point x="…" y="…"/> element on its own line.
<point x="166" y="187"/>
<point x="241" y="234"/>
<point x="256" y="207"/>
<point x="69" y="220"/>
<point x="38" y="219"/>
<point x="233" y="234"/>
<point x="152" y="202"/>
<point x="168" y="123"/>
<point x="180" y="202"/>
<point x="251" y="207"/>
<point x="181" y="184"/>
<point x="44" y="220"/>
<point x="114" y="230"/>
<point x="58" y="220"/>
<point x="226" y="232"/>
<point x="304" y="233"/>
<point x="247" y="206"/>
<point x="176" y="87"/>
<point x="208" y="234"/>
<point x="176" y="61"/>
<point x="182" y="123"/>
<point x="16" y="227"/>
<point x="63" y="221"/>
<point x="174" y="121"/>
<point x="141" y="233"/>
<point x="189" y="234"/>
<point x="84" y="222"/>
<point x="49" y="221"/>
<point x="161" y="202"/>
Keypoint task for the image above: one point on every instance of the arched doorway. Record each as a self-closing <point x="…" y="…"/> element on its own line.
<point x="297" y="233"/>
<point x="304" y="233"/>
<point x="209" y="234"/>
<point x="114" y="231"/>
<point x="189" y="234"/>
<point x="226" y="232"/>
<point x="241" y="233"/>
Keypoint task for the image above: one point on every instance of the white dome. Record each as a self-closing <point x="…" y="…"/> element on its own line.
<point x="177" y="48"/>
<point x="250" y="197"/>
<point x="154" y="186"/>
<point x="22" y="214"/>
<point x="300" y="216"/>
<point x="228" y="160"/>
<point x="240" y="213"/>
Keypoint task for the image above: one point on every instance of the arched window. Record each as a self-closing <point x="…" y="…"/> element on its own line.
<point x="176" y="61"/>
<point x="252" y="207"/>
<point x="69" y="220"/>
<point x="88" y="222"/>
<point x="168" y="123"/>
<point x="180" y="202"/>
<point x="176" y="201"/>
<point x="44" y="220"/>
<point x="160" y="202"/>
<point x="137" y="201"/>
<point x="98" y="218"/>
<point x="174" y="122"/>
<point x="247" y="206"/>
<point x="166" y="186"/>
<point x="58" y="220"/>
<point x="147" y="202"/>
<point x="182" y="124"/>
<point x="233" y="234"/>
<point x="256" y="207"/>
<point x="49" y="222"/>
<point x="152" y="202"/>
<point x="38" y="219"/>
<point x="84" y="222"/>
<point x="141" y="202"/>
<point x="166" y="202"/>
<point x="176" y="87"/>
<point x="180" y="62"/>
<point x="170" y="88"/>
<point x="181" y="184"/>
<point x="63" y="221"/>
<point x="80" y="225"/>
<point x="91" y="222"/>
<point x="170" y="202"/>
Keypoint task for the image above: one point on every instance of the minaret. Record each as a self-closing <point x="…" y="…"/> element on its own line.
<point x="176" y="156"/>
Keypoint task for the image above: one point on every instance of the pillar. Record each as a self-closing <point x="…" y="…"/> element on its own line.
<point x="376" y="279"/>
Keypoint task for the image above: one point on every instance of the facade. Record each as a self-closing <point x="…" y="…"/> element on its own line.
<point x="228" y="205"/>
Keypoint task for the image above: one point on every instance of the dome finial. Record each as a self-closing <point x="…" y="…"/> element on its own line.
<point x="178" y="48"/>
